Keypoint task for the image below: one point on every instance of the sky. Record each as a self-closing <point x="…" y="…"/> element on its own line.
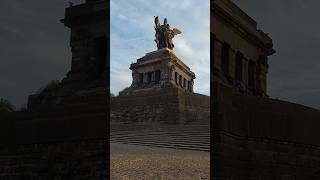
<point x="132" y="36"/>
<point x="34" y="46"/>
<point x="294" y="72"/>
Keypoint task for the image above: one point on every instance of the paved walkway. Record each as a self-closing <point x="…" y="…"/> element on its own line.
<point x="134" y="162"/>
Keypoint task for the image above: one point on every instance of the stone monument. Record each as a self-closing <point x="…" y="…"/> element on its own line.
<point x="162" y="88"/>
<point x="161" y="68"/>
<point x="89" y="65"/>
<point x="88" y="43"/>
<point x="254" y="136"/>
<point x="240" y="50"/>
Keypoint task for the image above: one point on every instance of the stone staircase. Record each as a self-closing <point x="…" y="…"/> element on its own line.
<point x="190" y="137"/>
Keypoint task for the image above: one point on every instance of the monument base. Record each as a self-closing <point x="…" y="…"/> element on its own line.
<point x="160" y="106"/>
<point x="64" y="98"/>
<point x="160" y="69"/>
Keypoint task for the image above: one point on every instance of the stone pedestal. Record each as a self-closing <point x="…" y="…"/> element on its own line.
<point x="160" y="106"/>
<point x="161" y="93"/>
<point x="160" y="69"/>
<point x="89" y="44"/>
<point x="89" y="41"/>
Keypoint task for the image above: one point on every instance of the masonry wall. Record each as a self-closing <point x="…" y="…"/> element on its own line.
<point x="260" y="138"/>
<point x="81" y="159"/>
<point x="194" y="108"/>
<point x="66" y="142"/>
<point x="160" y="106"/>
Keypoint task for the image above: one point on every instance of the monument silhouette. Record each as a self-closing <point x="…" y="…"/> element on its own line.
<point x="63" y="134"/>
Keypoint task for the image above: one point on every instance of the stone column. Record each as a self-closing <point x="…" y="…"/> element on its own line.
<point x="192" y="82"/>
<point x="245" y="71"/>
<point x="262" y="70"/>
<point x="172" y="68"/>
<point x="135" y="78"/>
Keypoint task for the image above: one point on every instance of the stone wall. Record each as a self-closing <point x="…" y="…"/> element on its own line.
<point x="161" y="106"/>
<point x="261" y="138"/>
<point x="194" y="108"/>
<point x="69" y="141"/>
<point x="81" y="159"/>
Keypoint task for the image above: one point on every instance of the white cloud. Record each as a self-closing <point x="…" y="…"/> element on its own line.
<point x="122" y="17"/>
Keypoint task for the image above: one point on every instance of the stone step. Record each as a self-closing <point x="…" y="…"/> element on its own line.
<point x="189" y="128"/>
<point x="195" y="137"/>
<point x="166" y="139"/>
<point x="181" y="138"/>
<point x="204" y="137"/>
<point x="160" y="132"/>
<point x="165" y="145"/>
<point x="175" y="136"/>
<point x="168" y="130"/>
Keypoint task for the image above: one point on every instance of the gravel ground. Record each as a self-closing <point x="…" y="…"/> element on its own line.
<point x="131" y="162"/>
